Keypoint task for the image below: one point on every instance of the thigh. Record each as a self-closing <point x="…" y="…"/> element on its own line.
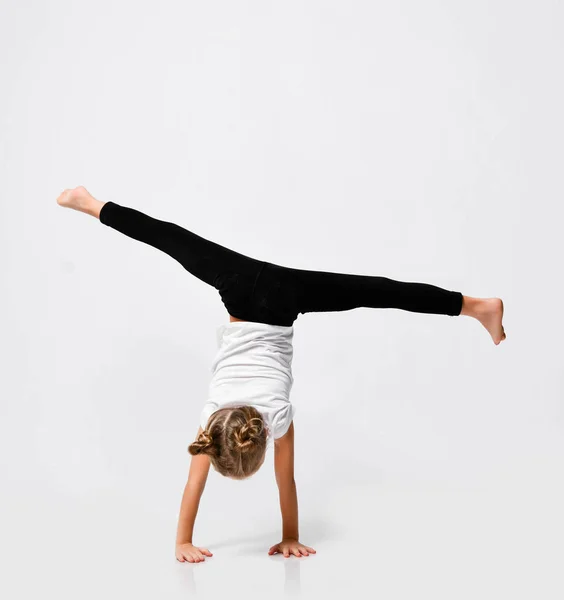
<point x="281" y="293"/>
<point x="217" y="265"/>
<point x="324" y="291"/>
<point x="276" y="295"/>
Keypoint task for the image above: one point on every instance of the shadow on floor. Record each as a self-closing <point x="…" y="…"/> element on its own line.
<point x="312" y="532"/>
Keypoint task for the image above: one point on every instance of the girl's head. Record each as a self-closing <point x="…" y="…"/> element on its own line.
<point x="235" y="440"/>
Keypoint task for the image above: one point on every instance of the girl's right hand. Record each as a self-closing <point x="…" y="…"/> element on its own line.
<point x="191" y="553"/>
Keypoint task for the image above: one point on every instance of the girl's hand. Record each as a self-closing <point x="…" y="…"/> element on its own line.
<point x="191" y="553"/>
<point x="291" y="546"/>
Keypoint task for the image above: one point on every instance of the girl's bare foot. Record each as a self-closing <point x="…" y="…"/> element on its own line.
<point x="82" y="200"/>
<point x="489" y="311"/>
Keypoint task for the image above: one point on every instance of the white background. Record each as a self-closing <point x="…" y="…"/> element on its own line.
<point x="416" y="140"/>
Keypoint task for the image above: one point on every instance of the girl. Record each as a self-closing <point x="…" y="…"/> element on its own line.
<point x="248" y="404"/>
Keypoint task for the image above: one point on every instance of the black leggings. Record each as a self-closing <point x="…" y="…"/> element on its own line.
<point x="255" y="290"/>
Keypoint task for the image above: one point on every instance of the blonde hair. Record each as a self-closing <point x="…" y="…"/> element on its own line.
<point x="235" y="440"/>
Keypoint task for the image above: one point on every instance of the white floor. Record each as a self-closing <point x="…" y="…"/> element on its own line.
<point x="380" y="539"/>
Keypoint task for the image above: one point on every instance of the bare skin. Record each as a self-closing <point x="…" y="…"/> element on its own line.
<point x="185" y="550"/>
<point x="80" y="199"/>
<point x="488" y="311"/>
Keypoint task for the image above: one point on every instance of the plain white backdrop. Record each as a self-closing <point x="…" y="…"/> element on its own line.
<point x="419" y="141"/>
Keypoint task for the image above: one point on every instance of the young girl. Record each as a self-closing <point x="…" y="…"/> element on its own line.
<point x="248" y="404"/>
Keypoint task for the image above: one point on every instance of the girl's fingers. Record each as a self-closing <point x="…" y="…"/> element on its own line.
<point x="304" y="551"/>
<point x="310" y="550"/>
<point x="286" y="553"/>
<point x="196" y="556"/>
<point x="296" y="552"/>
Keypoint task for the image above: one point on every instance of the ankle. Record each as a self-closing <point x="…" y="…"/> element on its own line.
<point x="470" y="306"/>
<point x="93" y="207"/>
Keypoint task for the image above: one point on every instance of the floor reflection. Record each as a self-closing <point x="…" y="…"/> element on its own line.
<point x="188" y="581"/>
<point x="292" y="583"/>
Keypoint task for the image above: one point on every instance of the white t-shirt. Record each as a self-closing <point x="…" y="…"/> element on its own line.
<point x="253" y="366"/>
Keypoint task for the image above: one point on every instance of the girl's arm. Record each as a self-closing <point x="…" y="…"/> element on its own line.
<point x="284" y="470"/>
<point x="197" y="476"/>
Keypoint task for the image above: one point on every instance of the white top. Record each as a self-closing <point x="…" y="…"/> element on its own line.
<point x="253" y="366"/>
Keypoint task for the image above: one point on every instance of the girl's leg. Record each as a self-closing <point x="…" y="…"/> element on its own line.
<point x="324" y="291"/>
<point x="203" y="258"/>
<point x="321" y="291"/>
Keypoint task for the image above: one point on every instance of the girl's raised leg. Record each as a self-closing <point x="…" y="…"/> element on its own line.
<point x="321" y="291"/>
<point x="203" y="258"/>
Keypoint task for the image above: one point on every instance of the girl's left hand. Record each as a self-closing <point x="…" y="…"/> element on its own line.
<point x="291" y="546"/>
